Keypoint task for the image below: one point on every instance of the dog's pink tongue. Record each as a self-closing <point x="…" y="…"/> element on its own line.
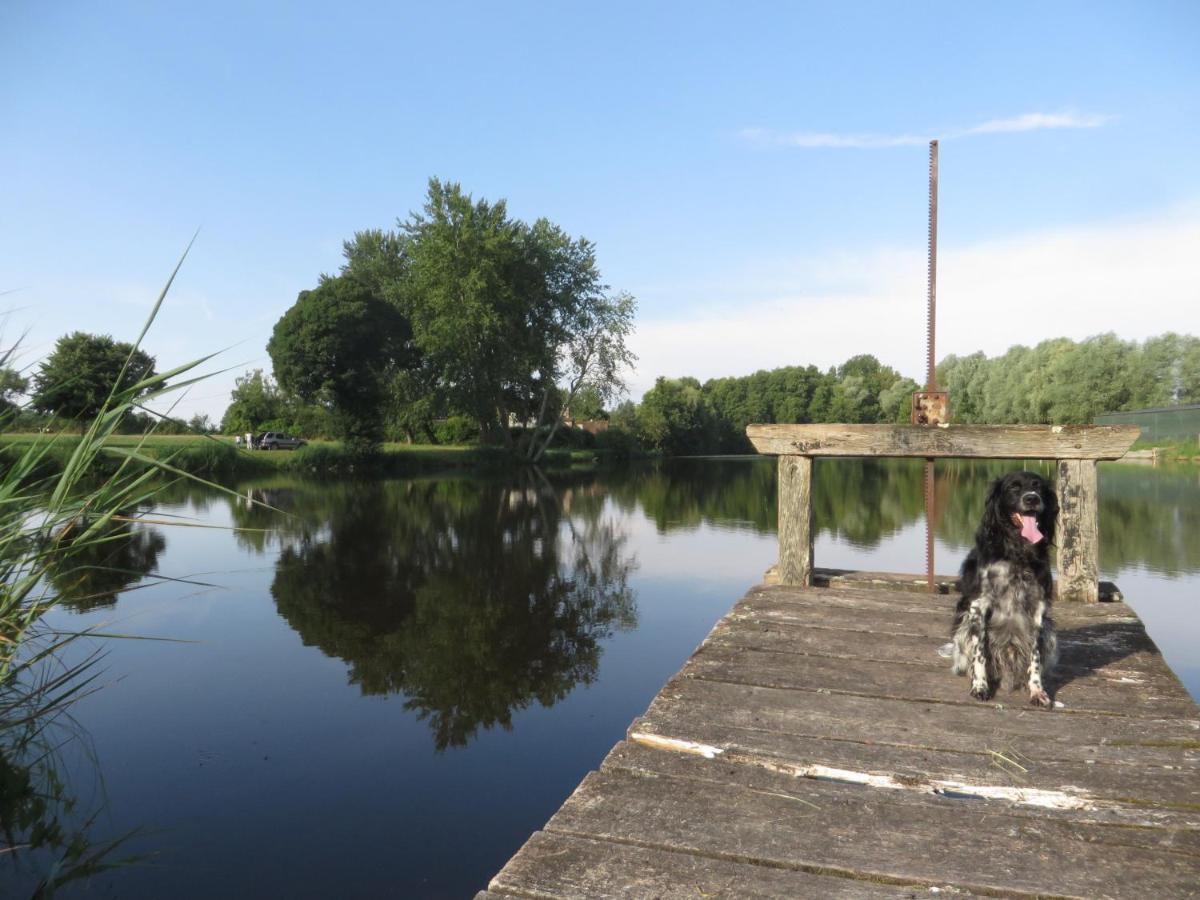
<point x="1029" y="529"/>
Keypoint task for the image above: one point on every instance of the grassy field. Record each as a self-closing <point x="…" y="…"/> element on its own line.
<point x="217" y="455"/>
<point x="1173" y="449"/>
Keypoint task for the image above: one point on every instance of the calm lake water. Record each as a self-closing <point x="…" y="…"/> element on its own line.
<point x="383" y="688"/>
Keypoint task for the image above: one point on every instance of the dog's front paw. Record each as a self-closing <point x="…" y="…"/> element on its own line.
<point x="1039" y="698"/>
<point x="981" y="690"/>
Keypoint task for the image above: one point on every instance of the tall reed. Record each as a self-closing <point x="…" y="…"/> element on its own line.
<point x="50" y="522"/>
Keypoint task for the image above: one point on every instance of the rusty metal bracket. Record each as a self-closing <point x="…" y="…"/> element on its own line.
<point x="930" y="408"/>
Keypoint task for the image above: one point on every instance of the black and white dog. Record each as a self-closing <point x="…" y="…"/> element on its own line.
<point x="1002" y="626"/>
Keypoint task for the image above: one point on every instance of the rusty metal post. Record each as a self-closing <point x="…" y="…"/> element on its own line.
<point x="931" y="325"/>
<point x="931" y="406"/>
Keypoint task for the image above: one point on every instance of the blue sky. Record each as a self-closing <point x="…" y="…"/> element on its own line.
<point x="754" y="173"/>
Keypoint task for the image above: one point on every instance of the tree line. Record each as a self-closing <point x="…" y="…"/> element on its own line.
<point x="76" y="379"/>
<point x="1065" y="382"/>
<point x="681" y="416"/>
<point x="1058" y="382"/>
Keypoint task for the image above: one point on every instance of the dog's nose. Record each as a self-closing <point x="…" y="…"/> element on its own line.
<point x="1031" y="498"/>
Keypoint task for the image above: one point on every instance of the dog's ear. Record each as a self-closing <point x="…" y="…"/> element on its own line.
<point x="1048" y="520"/>
<point x="994" y="525"/>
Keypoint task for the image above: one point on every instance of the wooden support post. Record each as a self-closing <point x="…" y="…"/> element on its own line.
<point x="795" y="520"/>
<point x="1078" y="531"/>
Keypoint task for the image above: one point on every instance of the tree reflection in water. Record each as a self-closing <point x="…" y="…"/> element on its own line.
<point x="1148" y="517"/>
<point x="91" y="575"/>
<point x="472" y="599"/>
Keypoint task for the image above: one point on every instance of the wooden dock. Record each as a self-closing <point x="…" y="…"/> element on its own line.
<point x="817" y="745"/>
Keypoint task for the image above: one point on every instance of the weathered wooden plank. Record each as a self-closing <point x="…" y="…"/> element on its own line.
<point x="892" y="680"/>
<point x="795" y="520"/>
<point x="1124" y="656"/>
<point x="1058" y="815"/>
<point x="1078" y="532"/>
<point x="966" y="441"/>
<point x="1085" y="637"/>
<point x="1103" y="791"/>
<point x="890" y="614"/>
<point x="568" y="866"/>
<point x="934" y="624"/>
<point x="871" y="834"/>
<point x="1110" y="794"/>
<point x="977" y="729"/>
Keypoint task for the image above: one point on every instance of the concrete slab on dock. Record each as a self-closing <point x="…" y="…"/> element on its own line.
<point x="817" y="745"/>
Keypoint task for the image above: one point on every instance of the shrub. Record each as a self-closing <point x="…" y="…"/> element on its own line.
<point x="209" y="457"/>
<point x="320" y="459"/>
<point x="618" y="442"/>
<point x="456" y="430"/>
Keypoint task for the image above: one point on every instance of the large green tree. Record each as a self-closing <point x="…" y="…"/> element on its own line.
<point x="512" y="319"/>
<point x="83" y="370"/>
<point x="340" y="346"/>
<point x="467" y="292"/>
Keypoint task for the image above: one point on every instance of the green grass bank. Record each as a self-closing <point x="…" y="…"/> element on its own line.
<point x="216" y="456"/>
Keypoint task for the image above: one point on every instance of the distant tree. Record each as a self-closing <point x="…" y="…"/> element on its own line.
<point x="1165" y="371"/>
<point x="1088" y="378"/>
<point x="81" y="373"/>
<point x="1189" y="372"/>
<point x="675" y="419"/>
<point x="588" y="405"/>
<point x="821" y="404"/>
<point x="200" y="423"/>
<point x="793" y="390"/>
<point x="897" y="399"/>
<point x="958" y="375"/>
<point x="1003" y="390"/>
<point x="861" y="381"/>
<point x="624" y="416"/>
<point x="12" y="385"/>
<point x="255" y="401"/>
<point x="591" y="356"/>
<point x="339" y="346"/>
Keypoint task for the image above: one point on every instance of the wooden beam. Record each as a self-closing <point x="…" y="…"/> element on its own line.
<point x="964" y="441"/>
<point x="795" y="520"/>
<point x="1078" y="531"/>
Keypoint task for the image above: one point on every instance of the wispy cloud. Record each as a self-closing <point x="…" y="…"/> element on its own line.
<point x="1035" y="121"/>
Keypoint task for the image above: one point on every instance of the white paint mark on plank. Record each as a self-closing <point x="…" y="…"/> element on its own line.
<point x="680" y="746"/>
<point x="1074" y="798"/>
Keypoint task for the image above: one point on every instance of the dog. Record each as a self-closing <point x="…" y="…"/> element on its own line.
<point x="1002" y="624"/>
